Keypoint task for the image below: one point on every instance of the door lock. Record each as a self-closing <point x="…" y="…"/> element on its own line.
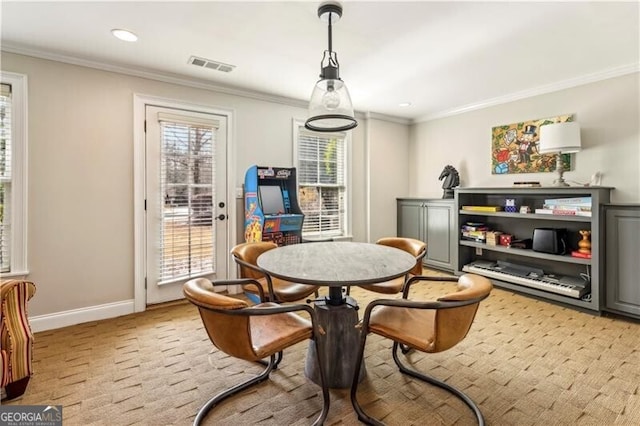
<point x="221" y="216"/>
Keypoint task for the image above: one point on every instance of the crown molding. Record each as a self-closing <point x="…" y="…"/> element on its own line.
<point x="383" y="117"/>
<point x="540" y="90"/>
<point x="266" y="97"/>
<point x="179" y="80"/>
<point x="154" y="75"/>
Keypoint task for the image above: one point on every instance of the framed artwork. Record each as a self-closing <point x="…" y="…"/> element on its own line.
<point x="514" y="148"/>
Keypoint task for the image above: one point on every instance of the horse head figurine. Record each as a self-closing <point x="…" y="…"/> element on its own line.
<point x="451" y="180"/>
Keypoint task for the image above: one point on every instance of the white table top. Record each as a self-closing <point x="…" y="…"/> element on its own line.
<point x="336" y="263"/>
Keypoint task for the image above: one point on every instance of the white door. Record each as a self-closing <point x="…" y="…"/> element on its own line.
<point x="186" y="200"/>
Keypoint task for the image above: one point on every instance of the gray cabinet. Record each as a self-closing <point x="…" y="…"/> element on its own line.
<point x="622" y="238"/>
<point x="431" y="221"/>
<point x="522" y="226"/>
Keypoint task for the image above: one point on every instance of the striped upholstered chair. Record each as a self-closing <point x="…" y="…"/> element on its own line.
<point x="16" y="346"/>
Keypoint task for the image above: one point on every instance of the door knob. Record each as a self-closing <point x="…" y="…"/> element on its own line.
<point x="221" y="216"/>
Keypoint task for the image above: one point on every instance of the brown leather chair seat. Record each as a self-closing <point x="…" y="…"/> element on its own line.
<point x="252" y="333"/>
<point x="412" y="246"/>
<point x="427" y="326"/>
<point x="275" y="289"/>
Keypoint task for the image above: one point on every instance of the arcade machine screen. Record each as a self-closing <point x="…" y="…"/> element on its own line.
<point x="271" y="199"/>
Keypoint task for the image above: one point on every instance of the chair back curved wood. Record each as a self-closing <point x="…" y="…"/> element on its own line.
<point x="246" y="256"/>
<point x="427" y="326"/>
<point x="251" y="333"/>
<point x="416" y="248"/>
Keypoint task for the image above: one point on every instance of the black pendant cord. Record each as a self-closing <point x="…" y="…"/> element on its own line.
<point x="330" y="38"/>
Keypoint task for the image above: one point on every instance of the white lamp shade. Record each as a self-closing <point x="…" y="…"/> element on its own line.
<point x="330" y="108"/>
<point x="560" y="137"/>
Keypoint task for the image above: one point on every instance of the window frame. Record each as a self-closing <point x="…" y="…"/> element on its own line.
<point x="188" y="122"/>
<point x="298" y="126"/>
<point x="18" y="214"/>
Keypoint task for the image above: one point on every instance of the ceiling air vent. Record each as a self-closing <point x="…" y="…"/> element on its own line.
<point x="208" y="63"/>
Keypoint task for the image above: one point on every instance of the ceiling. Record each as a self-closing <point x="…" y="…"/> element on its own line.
<point x="440" y="56"/>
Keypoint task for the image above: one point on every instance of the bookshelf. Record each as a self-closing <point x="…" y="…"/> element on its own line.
<point x="521" y="226"/>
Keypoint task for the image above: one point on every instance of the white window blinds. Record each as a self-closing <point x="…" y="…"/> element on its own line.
<point x="188" y="188"/>
<point x="321" y="182"/>
<point x="5" y="177"/>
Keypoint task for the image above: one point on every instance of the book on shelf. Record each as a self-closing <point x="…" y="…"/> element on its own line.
<point x="482" y="208"/>
<point x="475" y="227"/>
<point x="560" y="212"/>
<point x="477" y="240"/>
<point x="576" y="201"/>
<point x="528" y="184"/>
<point x="581" y="255"/>
<point x="567" y="207"/>
<point x="475" y="235"/>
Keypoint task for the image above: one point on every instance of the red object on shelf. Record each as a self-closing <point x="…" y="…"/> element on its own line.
<point x="581" y="255"/>
<point x="505" y="239"/>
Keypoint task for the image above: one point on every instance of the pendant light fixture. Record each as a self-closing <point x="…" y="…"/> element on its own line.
<point x="330" y="108"/>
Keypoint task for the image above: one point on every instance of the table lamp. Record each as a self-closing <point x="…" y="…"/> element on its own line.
<point x="560" y="138"/>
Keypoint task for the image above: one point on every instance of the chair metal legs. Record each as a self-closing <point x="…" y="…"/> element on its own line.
<point x="472" y="405"/>
<point x="365" y="418"/>
<point x="362" y="416"/>
<point x="273" y="361"/>
<point x="323" y="383"/>
<point x="275" y="364"/>
<point x="232" y="391"/>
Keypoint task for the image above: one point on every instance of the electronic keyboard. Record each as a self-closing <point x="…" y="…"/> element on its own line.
<point x="530" y="277"/>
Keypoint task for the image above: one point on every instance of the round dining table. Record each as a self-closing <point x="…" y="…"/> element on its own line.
<point x="336" y="265"/>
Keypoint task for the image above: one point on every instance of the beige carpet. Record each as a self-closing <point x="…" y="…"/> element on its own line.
<point x="525" y="362"/>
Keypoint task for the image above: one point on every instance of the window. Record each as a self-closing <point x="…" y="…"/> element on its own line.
<point x="13" y="174"/>
<point x="321" y="162"/>
<point x="186" y="182"/>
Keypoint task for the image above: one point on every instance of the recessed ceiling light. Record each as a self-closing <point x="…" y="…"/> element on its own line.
<point x="124" y="35"/>
<point x="404" y="104"/>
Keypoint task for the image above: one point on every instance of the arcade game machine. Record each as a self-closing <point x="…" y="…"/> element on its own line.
<point x="271" y="210"/>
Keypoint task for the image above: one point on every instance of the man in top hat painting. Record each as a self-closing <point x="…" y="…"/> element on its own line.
<point x="526" y="143"/>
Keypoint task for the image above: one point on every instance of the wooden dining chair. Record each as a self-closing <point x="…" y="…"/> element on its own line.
<point x="416" y="248"/>
<point x="274" y="289"/>
<point x="426" y="326"/>
<point x="252" y="333"/>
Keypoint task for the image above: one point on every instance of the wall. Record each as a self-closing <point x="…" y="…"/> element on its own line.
<point x="80" y="191"/>
<point x="609" y="115"/>
<point x="388" y="174"/>
<point x="80" y="181"/>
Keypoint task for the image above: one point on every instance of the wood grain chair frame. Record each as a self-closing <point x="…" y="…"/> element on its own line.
<point x="427" y="326"/>
<point x="252" y="333"/>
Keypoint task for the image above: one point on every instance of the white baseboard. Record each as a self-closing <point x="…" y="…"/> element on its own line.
<point x="78" y="316"/>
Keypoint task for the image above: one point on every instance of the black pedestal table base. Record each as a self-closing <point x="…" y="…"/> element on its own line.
<point x="341" y="343"/>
